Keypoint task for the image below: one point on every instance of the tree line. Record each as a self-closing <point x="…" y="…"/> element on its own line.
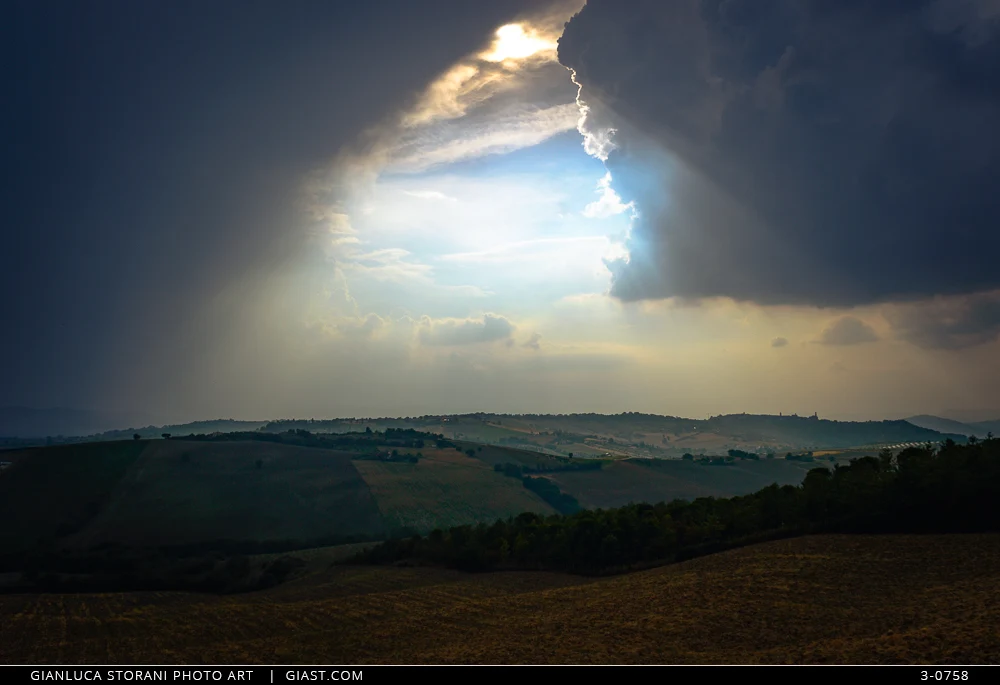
<point x="949" y="489"/>
<point x="365" y="441"/>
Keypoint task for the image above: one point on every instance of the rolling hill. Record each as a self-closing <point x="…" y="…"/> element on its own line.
<point x="181" y="492"/>
<point x="977" y="428"/>
<point x="189" y="492"/>
<point x="943" y="425"/>
<point x="591" y="435"/>
<point x="816" y="600"/>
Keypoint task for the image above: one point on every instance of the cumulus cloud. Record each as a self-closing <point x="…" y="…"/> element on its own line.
<point x="847" y="330"/>
<point x="789" y="152"/>
<point x="608" y="203"/>
<point x="948" y="323"/>
<point x="491" y="328"/>
<point x="779" y="342"/>
<point x="534" y="342"/>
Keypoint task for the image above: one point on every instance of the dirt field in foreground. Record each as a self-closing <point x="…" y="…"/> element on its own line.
<point x="828" y="599"/>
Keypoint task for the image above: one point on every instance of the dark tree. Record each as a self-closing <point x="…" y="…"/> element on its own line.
<point x="136" y="436"/>
<point x="166" y="436"/>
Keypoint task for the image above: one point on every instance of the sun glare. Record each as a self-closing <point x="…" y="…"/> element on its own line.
<point x="513" y="42"/>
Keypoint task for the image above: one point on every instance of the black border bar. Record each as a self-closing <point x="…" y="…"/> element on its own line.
<point x="443" y="675"/>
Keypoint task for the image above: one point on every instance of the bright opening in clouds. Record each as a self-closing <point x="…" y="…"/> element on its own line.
<point x="458" y="218"/>
<point x="516" y="42"/>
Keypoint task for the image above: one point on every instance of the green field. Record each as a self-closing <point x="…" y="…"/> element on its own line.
<point x="445" y="489"/>
<point x="53" y="492"/>
<point x="182" y="492"/>
<point x="815" y="600"/>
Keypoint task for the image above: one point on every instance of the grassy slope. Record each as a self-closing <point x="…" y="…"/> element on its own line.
<point x="493" y="454"/>
<point x="53" y="488"/>
<point x="181" y="491"/>
<point x="829" y="599"/>
<point x="444" y="489"/>
<point x="622" y="482"/>
<point x="217" y="492"/>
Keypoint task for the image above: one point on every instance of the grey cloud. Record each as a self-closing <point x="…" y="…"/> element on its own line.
<point x="779" y="342"/>
<point x="490" y="328"/>
<point x="955" y="323"/>
<point x="847" y="331"/>
<point x="361" y="327"/>
<point x="534" y="342"/>
<point x="789" y="152"/>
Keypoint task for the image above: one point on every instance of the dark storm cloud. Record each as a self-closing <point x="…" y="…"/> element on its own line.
<point x="152" y="152"/>
<point x="824" y="152"/>
<point x="847" y="331"/>
<point x="961" y="323"/>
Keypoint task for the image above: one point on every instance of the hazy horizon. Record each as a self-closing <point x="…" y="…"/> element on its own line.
<point x="132" y="421"/>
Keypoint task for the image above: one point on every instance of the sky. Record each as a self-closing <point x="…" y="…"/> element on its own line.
<point x="312" y="209"/>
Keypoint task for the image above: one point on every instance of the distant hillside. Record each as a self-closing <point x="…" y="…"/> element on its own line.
<point x="791" y="432"/>
<point x="943" y="425"/>
<point x="629" y="434"/>
<point x="816" y="432"/>
<point x="195" y="427"/>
